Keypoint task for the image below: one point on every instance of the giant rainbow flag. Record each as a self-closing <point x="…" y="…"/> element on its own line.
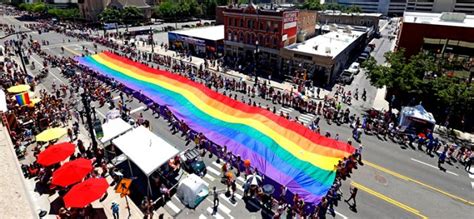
<point x="285" y="151"/>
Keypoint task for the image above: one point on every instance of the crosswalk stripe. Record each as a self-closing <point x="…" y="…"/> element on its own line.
<point x="213" y="170"/>
<point x="217" y="215"/>
<point x="237" y="197"/>
<point x="286" y="110"/>
<point x="219" y="166"/>
<point x="210" y="177"/>
<point x="173" y="207"/>
<point x="116" y="98"/>
<point x="471" y="175"/>
<point x="241" y="179"/>
<point x="202" y="217"/>
<point x="137" y="109"/>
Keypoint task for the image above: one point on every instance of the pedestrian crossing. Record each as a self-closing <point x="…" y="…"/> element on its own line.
<point x="306" y="118"/>
<point x="471" y="176"/>
<point x="284" y="110"/>
<point x="174" y="206"/>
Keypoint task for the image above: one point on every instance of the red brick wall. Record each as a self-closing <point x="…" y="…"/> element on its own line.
<point x="411" y="35"/>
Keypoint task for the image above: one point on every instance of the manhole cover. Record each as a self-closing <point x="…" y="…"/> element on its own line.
<point x="381" y="179"/>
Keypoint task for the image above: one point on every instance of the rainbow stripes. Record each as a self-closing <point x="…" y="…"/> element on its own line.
<point x="23" y="99"/>
<point x="285" y="151"/>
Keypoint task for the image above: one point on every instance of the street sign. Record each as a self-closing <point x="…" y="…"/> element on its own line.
<point x="123" y="187"/>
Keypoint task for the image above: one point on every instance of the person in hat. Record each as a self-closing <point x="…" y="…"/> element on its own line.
<point x="115" y="210"/>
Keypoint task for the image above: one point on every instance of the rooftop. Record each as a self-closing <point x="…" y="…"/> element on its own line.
<point x="332" y="12"/>
<point x="443" y="19"/>
<point x="213" y="33"/>
<point x="329" y="44"/>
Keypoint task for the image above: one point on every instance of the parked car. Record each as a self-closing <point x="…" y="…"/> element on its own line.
<point x="346" y="77"/>
<point x="192" y="162"/>
<point x="354" y="68"/>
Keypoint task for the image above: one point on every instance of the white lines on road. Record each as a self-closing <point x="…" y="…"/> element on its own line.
<point x="217" y="215"/>
<point x="237" y="197"/>
<point x="173" y="207"/>
<point x="209" y="177"/>
<point x="137" y="109"/>
<point x="306" y="118"/>
<point x="210" y="169"/>
<point x="202" y="217"/>
<point x="341" y="215"/>
<point x="472" y="185"/>
<point x="427" y="164"/>
<point x="51" y="72"/>
<point x="471" y="175"/>
<point x="116" y="98"/>
<point x="284" y="110"/>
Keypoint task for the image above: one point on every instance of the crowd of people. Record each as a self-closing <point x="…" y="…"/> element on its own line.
<point x="58" y="110"/>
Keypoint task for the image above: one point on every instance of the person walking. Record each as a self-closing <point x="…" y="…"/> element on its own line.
<point x="468" y="164"/>
<point x="115" y="210"/>
<point x="442" y="158"/>
<point x="216" y="200"/>
<point x="353" y="196"/>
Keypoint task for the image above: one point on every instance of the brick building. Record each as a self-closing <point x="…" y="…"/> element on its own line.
<point x="307" y="23"/>
<point x="440" y="33"/>
<point x="252" y="32"/>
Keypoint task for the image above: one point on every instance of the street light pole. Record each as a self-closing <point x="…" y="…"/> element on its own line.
<point x="19" y="44"/>
<point x="87" y="109"/>
<point x="256" y="62"/>
<point x="152" y="41"/>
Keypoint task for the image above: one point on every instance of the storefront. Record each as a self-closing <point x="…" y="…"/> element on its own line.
<point x="201" y="42"/>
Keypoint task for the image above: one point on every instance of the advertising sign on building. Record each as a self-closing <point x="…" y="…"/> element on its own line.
<point x="290" y="19"/>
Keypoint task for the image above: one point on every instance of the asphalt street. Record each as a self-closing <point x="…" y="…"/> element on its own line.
<point x="394" y="182"/>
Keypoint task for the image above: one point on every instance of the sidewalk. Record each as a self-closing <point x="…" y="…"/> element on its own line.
<point x="14" y="200"/>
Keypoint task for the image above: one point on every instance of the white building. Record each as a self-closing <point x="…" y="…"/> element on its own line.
<point x="390" y="7"/>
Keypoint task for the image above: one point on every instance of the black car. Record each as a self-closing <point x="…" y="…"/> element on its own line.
<point x="192" y="162"/>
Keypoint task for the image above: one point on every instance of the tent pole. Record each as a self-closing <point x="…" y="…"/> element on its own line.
<point x="130" y="166"/>
<point x="149" y="187"/>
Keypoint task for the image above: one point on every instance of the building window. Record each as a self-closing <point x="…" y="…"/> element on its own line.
<point x="241" y="38"/>
<point x="269" y="25"/>
<point x="260" y="39"/>
<point x="241" y="22"/>
<point x="250" y="24"/>
<point x="275" y="42"/>
<point x="234" y="36"/>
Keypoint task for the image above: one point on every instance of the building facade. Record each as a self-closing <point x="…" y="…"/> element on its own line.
<point x="397" y="7"/>
<point x="370" y="20"/>
<point x="254" y="35"/>
<point x="438" y="6"/>
<point x="90" y="9"/>
<point x="307" y="23"/>
<point x="440" y="33"/>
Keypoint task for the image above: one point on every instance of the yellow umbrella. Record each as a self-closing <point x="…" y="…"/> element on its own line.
<point x="51" y="134"/>
<point x="19" y="88"/>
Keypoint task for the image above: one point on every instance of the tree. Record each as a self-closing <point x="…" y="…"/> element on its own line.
<point x="353" y="9"/>
<point x="131" y="15"/>
<point x="312" y="5"/>
<point x="67" y="14"/>
<point x="110" y="15"/>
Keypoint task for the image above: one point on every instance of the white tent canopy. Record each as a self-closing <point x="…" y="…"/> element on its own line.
<point x="113" y="128"/>
<point x="418" y="112"/>
<point x="145" y="149"/>
<point x="3" y="101"/>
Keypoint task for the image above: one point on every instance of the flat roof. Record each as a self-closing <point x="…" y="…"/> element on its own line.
<point x="213" y="33"/>
<point x="331" y="12"/>
<point x="329" y="44"/>
<point x="443" y="19"/>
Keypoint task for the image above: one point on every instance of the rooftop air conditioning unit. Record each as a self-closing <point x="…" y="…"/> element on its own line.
<point x="328" y="49"/>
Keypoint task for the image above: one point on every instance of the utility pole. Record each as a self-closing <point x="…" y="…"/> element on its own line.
<point x="87" y="109"/>
<point x="152" y="41"/>
<point x="19" y="45"/>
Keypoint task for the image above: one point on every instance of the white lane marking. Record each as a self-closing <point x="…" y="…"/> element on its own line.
<point x="472" y="185"/>
<point x="173" y="207"/>
<point x="202" y="217"/>
<point x="54" y="75"/>
<point x="116" y="98"/>
<point x="219" y="166"/>
<point x="217" y="215"/>
<point x="213" y="170"/>
<point x="427" y="164"/>
<point x="137" y="109"/>
<point x="285" y="110"/>
<point x="237" y="197"/>
<point x="471" y="175"/>
<point x="241" y="179"/>
<point x="343" y="216"/>
<point x="306" y="118"/>
<point x="209" y="177"/>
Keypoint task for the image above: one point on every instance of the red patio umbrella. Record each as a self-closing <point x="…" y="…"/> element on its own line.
<point x="72" y="172"/>
<point x="85" y="193"/>
<point x="56" y="153"/>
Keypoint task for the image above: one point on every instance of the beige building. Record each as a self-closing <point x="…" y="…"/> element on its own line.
<point x="353" y="19"/>
<point x="91" y="9"/>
